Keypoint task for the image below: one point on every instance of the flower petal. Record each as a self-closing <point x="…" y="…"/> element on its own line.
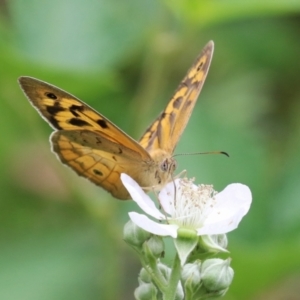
<point x="153" y="227"/>
<point x="231" y="205"/>
<point x="141" y="198"/>
<point x="167" y="195"/>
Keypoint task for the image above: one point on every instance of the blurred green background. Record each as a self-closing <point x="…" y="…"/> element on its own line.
<point x="61" y="237"/>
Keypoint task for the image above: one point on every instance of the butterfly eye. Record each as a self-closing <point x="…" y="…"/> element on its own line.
<point x="164" y="165"/>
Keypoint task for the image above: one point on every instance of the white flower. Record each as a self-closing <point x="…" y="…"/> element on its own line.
<point x="189" y="206"/>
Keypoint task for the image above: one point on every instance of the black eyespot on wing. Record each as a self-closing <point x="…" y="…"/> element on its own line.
<point x="200" y="66"/>
<point x="97" y="172"/>
<point x="74" y="109"/>
<point x="77" y="107"/>
<point x="50" y="95"/>
<point x="102" y="123"/>
<point x="56" y="108"/>
<point x="163" y="115"/>
<point x="78" y="122"/>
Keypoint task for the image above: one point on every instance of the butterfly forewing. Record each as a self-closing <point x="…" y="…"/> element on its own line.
<point x="165" y="131"/>
<point x="64" y="111"/>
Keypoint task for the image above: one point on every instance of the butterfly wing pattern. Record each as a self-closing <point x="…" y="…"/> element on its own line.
<point x="84" y="139"/>
<point x="97" y="149"/>
<point x="165" y="131"/>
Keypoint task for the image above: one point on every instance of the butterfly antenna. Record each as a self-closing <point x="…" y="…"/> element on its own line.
<point x="197" y="153"/>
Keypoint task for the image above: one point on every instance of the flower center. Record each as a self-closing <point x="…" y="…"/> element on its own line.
<point x="192" y="204"/>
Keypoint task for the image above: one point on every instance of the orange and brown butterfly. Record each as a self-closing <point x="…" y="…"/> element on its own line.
<point x="97" y="149"/>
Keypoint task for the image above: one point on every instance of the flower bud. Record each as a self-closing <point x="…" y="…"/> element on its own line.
<point x="135" y="235"/>
<point x="144" y="276"/>
<point x="155" y="246"/>
<point x="191" y="276"/>
<point x="166" y="273"/>
<point x="165" y="270"/>
<point x="145" y="291"/>
<point x="216" y="274"/>
<point x="179" y="292"/>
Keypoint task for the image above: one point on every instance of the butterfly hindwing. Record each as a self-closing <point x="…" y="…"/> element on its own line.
<point x="100" y="160"/>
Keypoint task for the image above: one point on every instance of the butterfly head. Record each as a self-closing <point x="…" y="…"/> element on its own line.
<point x="164" y="169"/>
<point x="168" y="165"/>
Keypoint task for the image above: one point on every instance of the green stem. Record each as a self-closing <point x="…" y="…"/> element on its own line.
<point x="155" y="274"/>
<point x="170" y="292"/>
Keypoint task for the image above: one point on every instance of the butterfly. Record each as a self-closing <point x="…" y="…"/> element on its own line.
<point x="97" y="149"/>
